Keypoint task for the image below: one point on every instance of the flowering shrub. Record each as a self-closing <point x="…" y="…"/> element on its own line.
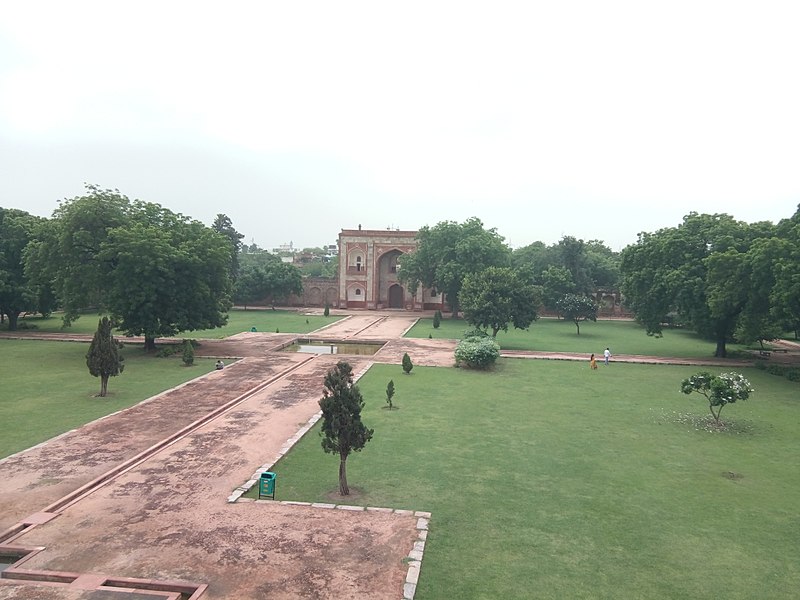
<point x="719" y="390"/>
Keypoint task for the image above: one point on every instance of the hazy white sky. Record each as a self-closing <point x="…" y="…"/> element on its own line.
<point x="297" y="119"/>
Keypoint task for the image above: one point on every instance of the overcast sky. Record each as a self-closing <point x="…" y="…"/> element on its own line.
<point x="297" y="119"/>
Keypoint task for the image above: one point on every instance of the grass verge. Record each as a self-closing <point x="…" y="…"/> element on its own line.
<point x="287" y="321"/>
<point x="623" y="337"/>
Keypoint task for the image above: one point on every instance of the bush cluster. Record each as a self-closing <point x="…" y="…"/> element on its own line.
<point x="477" y="352"/>
<point x="170" y="349"/>
<point x="791" y="373"/>
<point x="776" y="370"/>
<point x="475" y="333"/>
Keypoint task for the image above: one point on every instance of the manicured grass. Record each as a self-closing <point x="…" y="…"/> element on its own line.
<point x="47" y="388"/>
<point x="548" y="480"/>
<point x="286" y="321"/>
<point x="623" y="337"/>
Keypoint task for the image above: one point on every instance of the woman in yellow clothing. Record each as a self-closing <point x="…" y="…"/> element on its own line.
<point x="592" y="362"/>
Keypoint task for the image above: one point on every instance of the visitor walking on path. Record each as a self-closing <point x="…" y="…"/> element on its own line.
<point x="592" y="362"/>
<point x="606" y="355"/>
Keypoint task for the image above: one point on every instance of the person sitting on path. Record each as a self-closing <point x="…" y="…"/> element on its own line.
<point x="606" y="355"/>
<point x="592" y="362"/>
<point x="220" y="365"/>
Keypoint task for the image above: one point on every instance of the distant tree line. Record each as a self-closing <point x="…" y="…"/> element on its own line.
<point x="495" y="286"/>
<point x="726" y="279"/>
<point x="157" y="273"/>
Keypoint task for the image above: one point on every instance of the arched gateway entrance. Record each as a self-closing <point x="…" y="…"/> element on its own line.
<point x="396" y="294"/>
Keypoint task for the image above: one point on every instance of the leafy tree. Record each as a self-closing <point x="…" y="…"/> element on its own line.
<point x="577" y="308"/>
<point x="250" y="285"/>
<point x="556" y="282"/>
<point x="320" y="268"/>
<point x="757" y="272"/>
<point x="407" y="364"/>
<point x="271" y="281"/>
<point x="18" y="293"/>
<point x="103" y="358"/>
<point x="533" y="259"/>
<point x="283" y="279"/>
<point x="390" y="393"/>
<point x="342" y="430"/>
<point x="497" y="296"/>
<point x="66" y="253"/>
<point x="446" y="253"/>
<point x="572" y="256"/>
<point x="187" y="353"/>
<point x="570" y="266"/>
<point x="785" y="295"/>
<point x="437" y="319"/>
<point x="685" y="269"/>
<point x="602" y="264"/>
<point x="224" y="226"/>
<point x="156" y="272"/>
<point x="163" y="279"/>
<point x="719" y="390"/>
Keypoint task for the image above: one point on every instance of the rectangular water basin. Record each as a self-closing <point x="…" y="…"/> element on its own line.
<point x="310" y="346"/>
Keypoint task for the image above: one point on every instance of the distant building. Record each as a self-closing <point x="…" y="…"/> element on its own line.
<point x="367" y="275"/>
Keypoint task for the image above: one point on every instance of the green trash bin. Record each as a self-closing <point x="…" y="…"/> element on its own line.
<point x="266" y="485"/>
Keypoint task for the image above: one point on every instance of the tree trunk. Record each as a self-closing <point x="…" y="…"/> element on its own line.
<point x="13" y="315"/>
<point x="343" y="489"/>
<point x="578" y="325"/>
<point x="149" y="343"/>
<point x="103" y="386"/>
<point x="720" y="352"/>
<point x="454" y="307"/>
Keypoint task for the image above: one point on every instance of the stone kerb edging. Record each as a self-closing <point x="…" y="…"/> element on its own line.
<point x="402" y="335"/>
<point x="414" y="558"/>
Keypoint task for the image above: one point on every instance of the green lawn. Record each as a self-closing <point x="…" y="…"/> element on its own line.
<point x="623" y="337"/>
<point x="286" y="321"/>
<point x="548" y="480"/>
<point x="47" y="388"/>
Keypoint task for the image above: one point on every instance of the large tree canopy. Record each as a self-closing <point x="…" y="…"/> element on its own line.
<point x="569" y="266"/>
<point x="155" y="272"/>
<point x="497" y="296"/>
<point x="269" y="280"/>
<point x="224" y="226"/>
<point x="700" y="270"/>
<point x="17" y="293"/>
<point x="555" y="283"/>
<point x="785" y="296"/>
<point x="66" y="253"/>
<point x="448" y="252"/>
